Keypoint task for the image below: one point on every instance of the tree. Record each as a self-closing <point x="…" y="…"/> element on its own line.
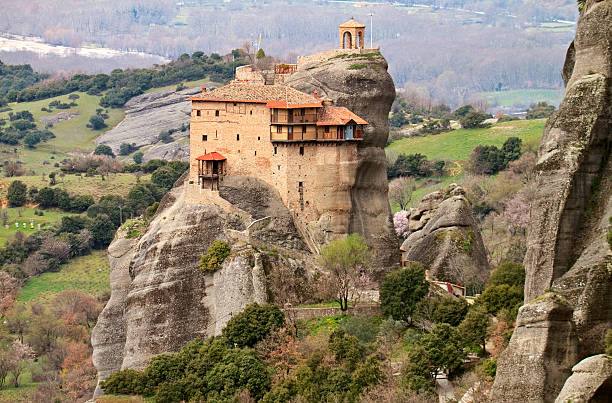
<point x="447" y="309"/>
<point x="401" y="290"/>
<point x="502" y="297"/>
<point x="400" y="223"/>
<point x="486" y="160"/>
<point x="253" y="325"/>
<point x="417" y="371"/>
<point x="13" y="168"/>
<point x="17" y="194"/>
<point x="137" y="157"/>
<point x="102" y="230"/>
<point x="400" y="191"/>
<point x="474" y="119"/>
<point x="31" y="139"/>
<point x="281" y="350"/>
<point x="260" y="54"/>
<point x="18" y="320"/>
<point x="475" y="327"/>
<point x="541" y="110"/>
<point x="345" y="261"/>
<point x="97" y="122"/>
<point x="103" y="149"/>
<point x="512" y="149"/>
<point x="510" y="273"/>
<point x="20" y="354"/>
<point x="126" y="149"/>
<point x="444" y="348"/>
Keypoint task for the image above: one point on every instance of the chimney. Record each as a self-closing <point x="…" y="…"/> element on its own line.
<point x="203" y="90"/>
<point x="316" y="94"/>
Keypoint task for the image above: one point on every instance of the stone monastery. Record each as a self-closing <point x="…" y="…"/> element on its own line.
<point x="258" y="127"/>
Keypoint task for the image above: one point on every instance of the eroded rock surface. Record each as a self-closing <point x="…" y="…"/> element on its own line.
<point x="567" y="253"/>
<point x="161" y="300"/>
<point x="444" y="237"/>
<point x="368" y="92"/>
<point x="591" y="381"/>
<point x="149" y="114"/>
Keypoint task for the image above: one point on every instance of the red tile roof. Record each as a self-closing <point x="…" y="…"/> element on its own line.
<point x="214" y="156"/>
<point x="338" y="116"/>
<point x="275" y="96"/>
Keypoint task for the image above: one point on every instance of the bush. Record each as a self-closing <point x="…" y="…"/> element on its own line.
<point x="137" y="157"/>
<point x="97" y="122"/>
<point x="489" y="367"/>
<point x="462" y="111"/>
<point x="17" y="194"/>
<point x="415" y="165"/>
<point x="253" y="325"/>
<point x="510" y="273"/>
<point x="541" y="110"/>
<point x="512" y="149"/>
<point x="501" y="297"/>
<point x="216" y="255"/>
<point x="126" y="149"/>
<point x="401" y="290"/>
<point x="103" y="149"/>
<point x="125" y="382"/>
<point x="474" y="119"/>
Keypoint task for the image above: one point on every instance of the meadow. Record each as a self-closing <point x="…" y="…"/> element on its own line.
<point x="523" y="97"/>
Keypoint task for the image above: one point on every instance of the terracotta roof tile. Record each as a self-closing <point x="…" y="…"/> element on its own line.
<point x="280" y="96"/>
<point x="214" y="156"/>
<point x="338" y="115"/>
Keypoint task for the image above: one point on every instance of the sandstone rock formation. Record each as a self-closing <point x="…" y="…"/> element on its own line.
<point x="567" y="254"/>
<point x="444" y="237"/>
<point x="160" y="299"/>
<point x="149" y="114"/>
<point x="362" y="205"/>
<point x="591" y="381"/>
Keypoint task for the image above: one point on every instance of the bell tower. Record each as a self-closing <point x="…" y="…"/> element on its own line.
<point x="352" y="35"/>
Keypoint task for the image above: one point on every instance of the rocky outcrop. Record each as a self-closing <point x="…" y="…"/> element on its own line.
<point x="360" y="83"/>
<point x="567" y="253"/>
<point x="160" y="299"/>
<point x="444" y="237"/>
<point x="591" y="381"/>
<point x="149" y="114"/>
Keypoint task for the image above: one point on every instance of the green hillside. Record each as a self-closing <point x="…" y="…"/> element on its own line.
<point x="455" y="147"/>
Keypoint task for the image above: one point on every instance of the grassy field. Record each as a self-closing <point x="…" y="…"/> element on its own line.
<point x="26" y="215"/>
<point x="117" y="184"/>
<point x="457" y="145"/>
<point x="89" y="274"/>
<point x="71" y="135"/>
<point x="523" y="97"/>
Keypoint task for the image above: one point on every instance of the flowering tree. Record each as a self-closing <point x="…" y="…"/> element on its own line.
<point x="400" y="191"/>
<point x="21" y="353"/>
<point x="516" y="209"/>
<point x="400" y="223"/>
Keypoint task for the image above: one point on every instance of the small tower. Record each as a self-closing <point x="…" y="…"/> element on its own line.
<point x="352" y="35"/>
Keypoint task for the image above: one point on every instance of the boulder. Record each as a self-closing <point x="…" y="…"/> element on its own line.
<point x="444" y="237"/>
<point x="591" y="381"/>
<point x="567" y="253"/>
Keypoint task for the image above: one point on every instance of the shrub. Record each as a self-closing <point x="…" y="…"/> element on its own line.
<point x="137" y="157"/>
<point x="489" y="367"/>
<point x="126" y="149"/>
<point x="512" y="149"/>
<point x="541" y="110"/>
<point x="401" y="290"/>
<point x="103" y="149"/>
<point x="97" y="122"/>
<point x="510" y="273"/>
<point x="216" y="255"/>
<point x="125" y="382"/>
<point x="501" y="297"/>
<point x="474" y="119"/>
<point x="415" y="372"/>
<point x="253" y="325"/>
<point x="17" y="194"/>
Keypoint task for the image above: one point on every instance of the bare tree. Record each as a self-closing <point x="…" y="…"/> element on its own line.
<point x="400" y="191"/>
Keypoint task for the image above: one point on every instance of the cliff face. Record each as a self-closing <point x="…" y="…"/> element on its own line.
<point x="568" y="289"/>
<point x="444" y="237"/>
<point x="360" y="83"/>
<point x="160" y="299"/>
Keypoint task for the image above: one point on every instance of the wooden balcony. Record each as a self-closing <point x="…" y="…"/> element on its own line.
<point x="295" y="120"/>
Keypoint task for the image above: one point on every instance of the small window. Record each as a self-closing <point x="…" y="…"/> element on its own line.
<point x="326" y="129"/>
<point x="279" y="129"/>
<point x="303" y="129"/>
<point x="301" y="150"/>
<point x="258" y="138"/>
<point x="234" y="103"/>
<point x="303" y="111"/>
<point x="237" y="137"/>
<point x="290" y="129"/>
<point x="204" y="137"/>
<point x="217" y="112"/>
<point x="255" y="152"/>
<point x="251" y="112"/>
<point x="216" y="134"/>
<point x="278" y="167"/>
<point x="275" y="150"/>
<point x="198" y="113"/>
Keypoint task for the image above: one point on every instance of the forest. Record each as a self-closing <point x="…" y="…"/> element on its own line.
<point x="495" y="45"/>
